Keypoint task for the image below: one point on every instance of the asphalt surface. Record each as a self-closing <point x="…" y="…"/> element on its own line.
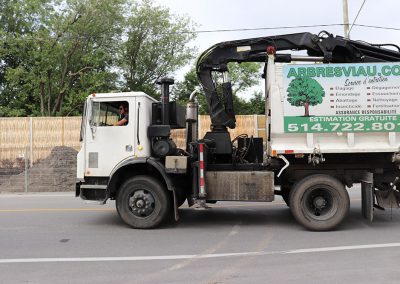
<point x="56" y="238"/>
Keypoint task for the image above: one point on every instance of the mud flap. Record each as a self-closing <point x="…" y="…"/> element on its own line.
<point x="387" y="199"/>
<point x="367" y="197"/>
<point x="176" y="214"/>
<point x="367" y="201"/>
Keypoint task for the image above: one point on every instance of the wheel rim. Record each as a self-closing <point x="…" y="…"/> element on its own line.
<point x="320" y="203"/>
<point x="142" y="203"/>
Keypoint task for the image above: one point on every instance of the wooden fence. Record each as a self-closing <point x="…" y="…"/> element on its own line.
<point x="39" y="135"/>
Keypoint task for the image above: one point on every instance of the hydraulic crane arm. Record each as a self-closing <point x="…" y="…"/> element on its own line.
<point x="331" y="49"/>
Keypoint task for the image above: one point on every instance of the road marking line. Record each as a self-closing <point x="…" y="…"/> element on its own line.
<point x="234" y="231"/>
<point x="111" y="209"/>
<point x="22" y="195"/>
<point x="244" y="205"/>
<point x="107" y="209"/>
<point x="54" y="209"/>
<point x="123" y="258"/>
<point x="195" y="256"/>
<point x="343" y="248"/>
<point x="233" y="266"/>
<point x="275" y="203"/>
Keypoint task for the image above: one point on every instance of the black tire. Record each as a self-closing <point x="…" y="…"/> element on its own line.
<point x="319" y="202"/>
<point x="142" y="202"/>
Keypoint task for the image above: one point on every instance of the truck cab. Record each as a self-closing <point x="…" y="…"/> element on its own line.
<point x="105" y="146"/>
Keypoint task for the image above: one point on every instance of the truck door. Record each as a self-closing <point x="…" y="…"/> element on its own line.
<point x="108" y="144"/>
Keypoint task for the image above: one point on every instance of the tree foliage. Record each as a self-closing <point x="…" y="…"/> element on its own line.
<point x="243" y="77"/>
<point x="58" y="55"/>
<point x="304" y="91"/>
<point x="182" y="90"/>
<point x="53" y="53"/>
<point x="156" y="45"/>
<point x="256" y="104"/>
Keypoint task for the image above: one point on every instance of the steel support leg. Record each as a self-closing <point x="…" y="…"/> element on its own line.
<point x="367" y="197"/>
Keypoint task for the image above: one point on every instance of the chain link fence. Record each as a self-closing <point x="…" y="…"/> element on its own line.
<point x="39" y="153"/>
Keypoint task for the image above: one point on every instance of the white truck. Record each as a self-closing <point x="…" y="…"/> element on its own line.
<point x="330" y="124"/>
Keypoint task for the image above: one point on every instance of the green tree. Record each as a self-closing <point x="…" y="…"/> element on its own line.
<point x="17" y="18"/>
<point x="305" y="92"/>
<point x="156" y="45"/>
<point x="54" y="53"/>
<point x="182" y="90"/>
<point x="256" y="104"/>
<point x="243" y="76"/>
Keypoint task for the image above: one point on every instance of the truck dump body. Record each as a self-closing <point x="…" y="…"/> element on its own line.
<point x="335" y="108"/>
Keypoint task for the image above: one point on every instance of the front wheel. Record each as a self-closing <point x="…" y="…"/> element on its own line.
<point x="142" y="202"/>
<point x="319" y="202"/>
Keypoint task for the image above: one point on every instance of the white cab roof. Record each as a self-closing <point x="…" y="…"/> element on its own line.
<point x="121" y="95"/>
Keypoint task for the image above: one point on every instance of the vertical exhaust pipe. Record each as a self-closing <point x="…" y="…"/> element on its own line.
<point x="165" y="83"/>
<point x="192" y="108"/>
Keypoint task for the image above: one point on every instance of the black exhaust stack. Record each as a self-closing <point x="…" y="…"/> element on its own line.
<point x="165" y="83"/>
<point x="166" y="115"/>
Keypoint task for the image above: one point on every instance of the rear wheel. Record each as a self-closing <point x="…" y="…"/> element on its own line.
<point x="143" y="202"/>
<point x="319" y="202"/>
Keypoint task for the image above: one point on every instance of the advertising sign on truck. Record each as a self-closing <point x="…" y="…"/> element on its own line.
<point x="342" y="97"/>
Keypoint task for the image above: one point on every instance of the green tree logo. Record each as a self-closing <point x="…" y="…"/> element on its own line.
<point x="305" y="92"/>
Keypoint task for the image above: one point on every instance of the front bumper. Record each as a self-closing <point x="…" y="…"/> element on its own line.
<point x="93" y="192"/>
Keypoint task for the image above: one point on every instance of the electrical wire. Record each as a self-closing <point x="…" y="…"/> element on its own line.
<point x="191" y="32"/>
<point x="358" y="13"/>
<point x="377" y="27"/>
<point x="265" y="28"/>
<point x="216" y="31"/>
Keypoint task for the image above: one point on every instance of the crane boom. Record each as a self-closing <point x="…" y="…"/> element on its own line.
<point x="333" y="49"/>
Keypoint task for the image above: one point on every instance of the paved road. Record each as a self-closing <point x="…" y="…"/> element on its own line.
<point x="55" y="238"/>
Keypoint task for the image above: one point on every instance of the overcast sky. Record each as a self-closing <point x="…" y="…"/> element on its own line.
<point x="236" y="14"/>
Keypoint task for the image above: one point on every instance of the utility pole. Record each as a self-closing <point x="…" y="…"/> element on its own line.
<point x="346" y="19"/>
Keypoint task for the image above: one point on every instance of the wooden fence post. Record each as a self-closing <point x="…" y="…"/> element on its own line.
<point x="62" y="131"/>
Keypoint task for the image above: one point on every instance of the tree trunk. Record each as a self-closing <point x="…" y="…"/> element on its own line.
<point x="50" y="93"/>
<point x="42" y="98"/>
<point x="306" y="109"/>
<point x="57" y="105"/>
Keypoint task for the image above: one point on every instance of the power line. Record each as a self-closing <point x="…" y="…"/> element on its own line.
<point x="222" y="31"/>
<point x="198" y="31"/>
<point x="295" y="27"/>
<point x="377" y="27"/>
<point x="266" y="28"/>
<point x="358" y="13"/>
